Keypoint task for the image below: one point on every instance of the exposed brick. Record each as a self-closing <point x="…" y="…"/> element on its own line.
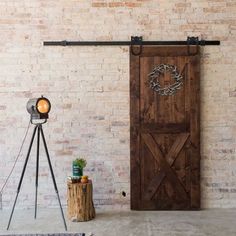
<point x="115" y="4"/>
<point x="89" y="91"/>
<point x="64" y="153"/>
<point x="99" y="4"/>
<point x="232" y="93"/>
<point x="132" y="4"/>
<point x="3" y="107"/>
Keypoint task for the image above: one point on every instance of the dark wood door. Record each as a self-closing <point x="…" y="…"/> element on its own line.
<point x="165" y="131"/>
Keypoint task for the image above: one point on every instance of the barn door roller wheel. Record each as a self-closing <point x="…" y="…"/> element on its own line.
<point x="136" y="40"/>
<point x="194" y="41"/>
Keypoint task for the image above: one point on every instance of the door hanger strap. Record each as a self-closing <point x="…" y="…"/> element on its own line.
<point x="136" y="41"/>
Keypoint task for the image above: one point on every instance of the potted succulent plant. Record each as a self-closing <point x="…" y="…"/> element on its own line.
<point x="78" y="166"/>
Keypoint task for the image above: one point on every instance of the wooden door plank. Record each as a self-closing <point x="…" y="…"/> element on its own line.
<point x="195" y="132"/>
<point x="176" y="148"/>
<point x="134" y="132"/>
<point x="154" y="185"/>
<point x="170" y="157"/>
<point x="164" y="51"/>
<point x="165" y="117"/>
<point x="163" y="128"/>
<point x="157" y="154"/>
<point x="147" y="103"/>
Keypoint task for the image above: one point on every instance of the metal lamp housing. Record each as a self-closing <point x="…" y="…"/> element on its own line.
<point x="38" y="108"/>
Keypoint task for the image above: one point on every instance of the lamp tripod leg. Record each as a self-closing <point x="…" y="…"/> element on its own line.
<point x="53" y="177"/>
<point x="37" y="172"/>
<point x="22" y="176"/>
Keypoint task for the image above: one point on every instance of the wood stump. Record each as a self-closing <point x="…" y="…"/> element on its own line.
<point x="80" y="201"/>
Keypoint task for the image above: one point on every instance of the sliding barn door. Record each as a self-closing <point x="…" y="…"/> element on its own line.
<point x="165" y="140"/>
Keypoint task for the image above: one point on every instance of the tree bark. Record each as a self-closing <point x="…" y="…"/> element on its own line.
<point x="80" y="201"/>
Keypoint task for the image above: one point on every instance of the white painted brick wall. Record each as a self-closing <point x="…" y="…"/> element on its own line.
<point x="89" y="91"/>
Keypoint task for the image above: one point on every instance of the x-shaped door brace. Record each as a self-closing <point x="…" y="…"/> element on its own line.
<point x="165" y="163"/>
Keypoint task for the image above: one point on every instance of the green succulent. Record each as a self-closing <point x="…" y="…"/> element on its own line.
<point x="81" y="162"/>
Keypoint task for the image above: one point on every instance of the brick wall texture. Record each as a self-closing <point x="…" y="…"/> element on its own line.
<point x="89" y="91"/>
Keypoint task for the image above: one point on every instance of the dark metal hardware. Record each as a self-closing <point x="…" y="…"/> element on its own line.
<point x="64" y="43"/>
<point x="39" y="129"/>
<point x="135" y="40"/>
<point x="194" y="41"/>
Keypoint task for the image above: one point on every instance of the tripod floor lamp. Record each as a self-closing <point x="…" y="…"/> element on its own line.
<point x="38" y="109"/>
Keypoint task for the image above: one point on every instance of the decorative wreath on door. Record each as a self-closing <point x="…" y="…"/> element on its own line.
<point x="160" y="70"/>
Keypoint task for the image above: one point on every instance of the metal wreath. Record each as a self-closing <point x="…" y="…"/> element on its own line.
<point x="170" y="89"/>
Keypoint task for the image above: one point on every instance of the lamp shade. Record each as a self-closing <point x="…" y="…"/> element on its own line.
<point x="39" y="108"/>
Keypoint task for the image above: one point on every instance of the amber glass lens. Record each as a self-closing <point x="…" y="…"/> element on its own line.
<point x="43" y="106"/>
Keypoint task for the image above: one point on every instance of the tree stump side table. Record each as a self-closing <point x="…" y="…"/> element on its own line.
<point x="80" y="201"/>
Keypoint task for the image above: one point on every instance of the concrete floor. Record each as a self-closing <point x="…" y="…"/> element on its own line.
<point x="113" y="223"/>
